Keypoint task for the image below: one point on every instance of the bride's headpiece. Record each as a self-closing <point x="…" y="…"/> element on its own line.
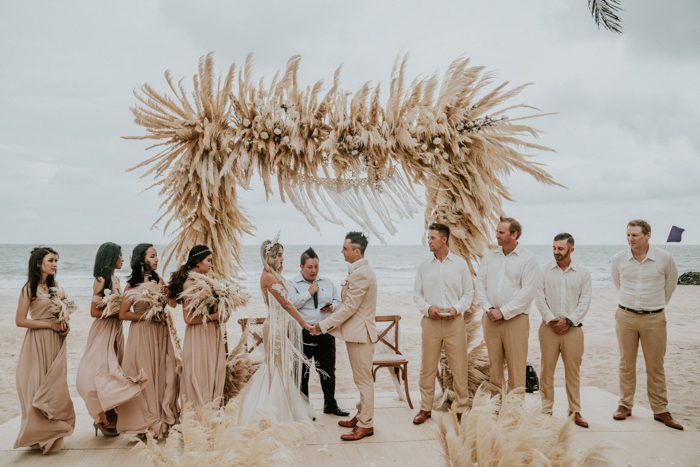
<point x="274" y="241"/>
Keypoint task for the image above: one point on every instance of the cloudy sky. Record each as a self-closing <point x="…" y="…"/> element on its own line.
<point x="626" y="129"/>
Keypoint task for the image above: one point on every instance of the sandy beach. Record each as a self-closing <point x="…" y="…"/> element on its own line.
<point x="599" y="364"/>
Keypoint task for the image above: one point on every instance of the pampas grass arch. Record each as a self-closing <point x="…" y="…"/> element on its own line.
<point x="336" y="151"/>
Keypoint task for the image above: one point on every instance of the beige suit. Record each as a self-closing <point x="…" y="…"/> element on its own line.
<point x="353" y="322"/>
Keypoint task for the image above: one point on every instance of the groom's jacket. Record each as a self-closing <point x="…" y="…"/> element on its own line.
<point x="353" y="320"/>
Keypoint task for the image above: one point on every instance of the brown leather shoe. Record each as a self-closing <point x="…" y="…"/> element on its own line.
<point x="421" y="417"/>
<point x="579" y="420"/>
<point x="667" y="420"/>
<point x="622" y="413"/>
<point x="352" y="423"/>
<point x="357" y="433"/>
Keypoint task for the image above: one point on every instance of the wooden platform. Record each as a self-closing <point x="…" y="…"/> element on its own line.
<point x="637" y="441"/>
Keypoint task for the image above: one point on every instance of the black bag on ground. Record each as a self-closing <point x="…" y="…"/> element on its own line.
<point x="532" y="382"/>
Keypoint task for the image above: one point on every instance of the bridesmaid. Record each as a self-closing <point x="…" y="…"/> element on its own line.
<point x="204" y="351"/>
<point x="148" y="353"/>
<point x="42" y="384"/>
<point x="100" y="381"/>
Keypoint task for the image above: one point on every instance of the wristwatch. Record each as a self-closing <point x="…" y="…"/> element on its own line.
<point x="569" y="323"/>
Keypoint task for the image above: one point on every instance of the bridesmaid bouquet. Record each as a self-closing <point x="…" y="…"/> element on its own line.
<point x="210" y="295"/>
<point x="152" y="300"/>
<point x="110" y="303"/>
<point x="61" y="306"/>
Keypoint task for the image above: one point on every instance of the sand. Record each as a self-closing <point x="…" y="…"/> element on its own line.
<point x="599" y="368"/>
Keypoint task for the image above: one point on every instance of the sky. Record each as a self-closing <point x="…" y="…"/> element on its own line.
<point x="625" y="130"/>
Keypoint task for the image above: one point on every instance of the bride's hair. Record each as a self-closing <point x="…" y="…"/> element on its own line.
<point x="269" y="251"/>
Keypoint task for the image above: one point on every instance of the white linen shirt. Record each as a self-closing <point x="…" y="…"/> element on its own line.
<point x="508" y="282"/>
<point x="445" y="284"/>
<point x="564" y="293"/>
<point x="646" y="285"/>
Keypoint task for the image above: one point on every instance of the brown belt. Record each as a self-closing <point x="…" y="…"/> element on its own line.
<point x="640" y="312"/>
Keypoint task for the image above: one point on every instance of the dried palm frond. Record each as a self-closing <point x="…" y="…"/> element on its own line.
<point x="149" y="300"/>
<point x="213" y="295"/>
<point x="477" y="373"/>
<point x="61" y="306"/>
<point x="208" y="435"/>
<point x="239" y="369"/>
<point x="509" y="434"/>
<point x="338" y="152"/>
<point x="110" y="304"/>
<point x="605" y="12"/>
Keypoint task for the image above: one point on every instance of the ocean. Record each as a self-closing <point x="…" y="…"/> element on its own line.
<point x="394" y="264"/>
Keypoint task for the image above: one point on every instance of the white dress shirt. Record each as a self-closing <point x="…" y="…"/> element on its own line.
<point x="302" y="300"/>
<point x="646" y="285"/>
<point x="508" y="282"/>
<point x="445" y="284"/>
<point x="564" y="293"/>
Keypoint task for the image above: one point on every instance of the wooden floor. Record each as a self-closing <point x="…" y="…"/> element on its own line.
<point x="637" y="441"/>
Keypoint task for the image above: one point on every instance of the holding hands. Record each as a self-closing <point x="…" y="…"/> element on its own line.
<point x="494" y="314"/>
<point x="559" y="326"/>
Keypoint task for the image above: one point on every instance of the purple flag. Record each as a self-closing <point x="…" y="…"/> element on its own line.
<point x="675" y="234"/>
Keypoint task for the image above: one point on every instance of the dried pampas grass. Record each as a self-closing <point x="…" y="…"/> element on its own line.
<point x="477" y="373"/>
<point x="239" y="369"/>
<point x="335" y="151"/>
<point x="213" y="295"/>
<point x="110" y="304"/>
<point x="61" y="306"/>
<point x="493" y="434"/>
<point x="148" y="299"/>
<point x="209" y="436"/>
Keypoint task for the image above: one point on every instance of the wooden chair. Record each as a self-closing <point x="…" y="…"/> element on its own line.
<point x="391" y="358"/>
<point x="254" y="326"/>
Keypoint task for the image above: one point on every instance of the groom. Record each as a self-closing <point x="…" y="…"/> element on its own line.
<point x="353" y="322"/>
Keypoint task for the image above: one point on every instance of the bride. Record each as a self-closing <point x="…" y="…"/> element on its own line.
<point x="275" y="386"/>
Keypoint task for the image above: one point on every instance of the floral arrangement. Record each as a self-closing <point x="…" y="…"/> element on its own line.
<point x="149" y="300"/>
<point x="213" y="295"/>
<point x="110" y="304"/>
<point x="61" y="306"/>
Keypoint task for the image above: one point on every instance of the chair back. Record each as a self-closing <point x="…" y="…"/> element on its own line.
<point x="388" y="331"/>
<point x="255" y="332"/>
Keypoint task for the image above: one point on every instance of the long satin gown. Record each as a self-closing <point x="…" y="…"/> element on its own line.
<point x="101" y="382"/>
<point x="42" y="384"/>
<point x="149" y="352"/>
<point x="203" y="362"/>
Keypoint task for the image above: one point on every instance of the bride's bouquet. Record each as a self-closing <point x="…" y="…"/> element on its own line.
<point x="209" y="295"/>
<point x="61" y="306"/>
<point x="110" y="304"/>
<point x="151" y="301"/>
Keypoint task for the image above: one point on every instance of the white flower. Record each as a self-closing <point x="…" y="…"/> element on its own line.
<point x="424" y="147"/>
<point x="106" y="292"/>
<point x="278" y="131"/>
<point x="246" y="123"/>
<point x="445" y="156"/>
<point x="264" y="135"/>
<point x="348" y="138"/>
<point x="354" y="152"/>
<point x="437" y="141"/>
<point x="285" y="139"/>
<point x="460" y="127"/>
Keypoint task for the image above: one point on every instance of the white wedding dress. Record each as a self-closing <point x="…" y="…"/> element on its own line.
<point x="275" y="385"/>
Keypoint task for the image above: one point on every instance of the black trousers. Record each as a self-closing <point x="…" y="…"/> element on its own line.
<point x="322" y="350"/>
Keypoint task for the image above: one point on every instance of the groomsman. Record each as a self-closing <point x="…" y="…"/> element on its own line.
<point x="316" y="297"/>
<point x="353" y="322"/>
<point x="443" y="292"/>
<point x="563" y="300"/>
<point x="646" y="278"/>
<point x="506" y="284"/>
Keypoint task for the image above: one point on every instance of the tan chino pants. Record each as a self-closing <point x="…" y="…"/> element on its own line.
<point x="451" y="333"/>
<point x="361" y="356"/>
<point x="570" y="346"/>
<point x="650" y="330"/>
<point x="506" y="341"/>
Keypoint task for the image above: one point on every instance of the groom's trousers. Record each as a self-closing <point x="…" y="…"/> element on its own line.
<point x="321" y="349"/>
<point x="361" y="356"/>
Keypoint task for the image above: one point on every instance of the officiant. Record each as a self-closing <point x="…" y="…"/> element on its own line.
<point x="316" y="298"/>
